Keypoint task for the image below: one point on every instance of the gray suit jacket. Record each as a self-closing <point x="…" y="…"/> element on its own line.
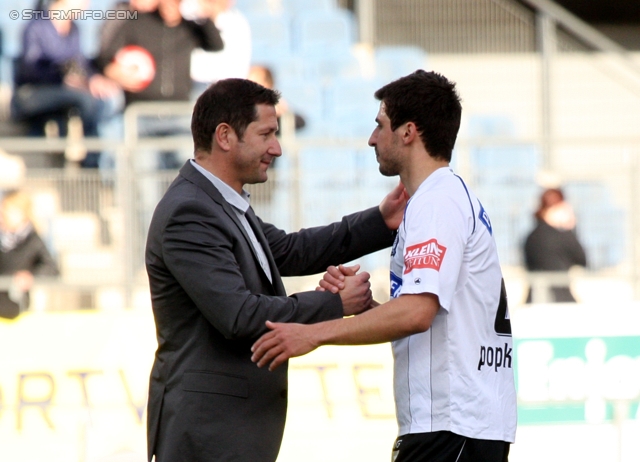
<point x="207" y="400"/>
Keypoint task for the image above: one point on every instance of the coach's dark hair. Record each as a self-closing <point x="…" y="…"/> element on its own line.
<point x="231" y="101"/>
<point x="431" y="102"/>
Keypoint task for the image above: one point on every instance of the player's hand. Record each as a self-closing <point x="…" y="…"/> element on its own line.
<point x="284" y="341"/>
<point x="333" y="279"/>
<point x="356" y="295"/>
<point x="393" y="205"/>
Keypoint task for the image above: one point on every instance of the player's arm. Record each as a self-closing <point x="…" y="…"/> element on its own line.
<point x="398" y="318"/>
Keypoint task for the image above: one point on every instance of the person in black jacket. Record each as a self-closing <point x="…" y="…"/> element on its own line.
<point x="23" y="254"/>
<point x="167" y="40"/>
<point x="553" y="244"/>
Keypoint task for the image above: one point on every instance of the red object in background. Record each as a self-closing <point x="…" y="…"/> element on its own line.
<point x="139" y="62"/>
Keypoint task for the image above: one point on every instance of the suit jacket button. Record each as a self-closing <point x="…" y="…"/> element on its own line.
<point x="283" y="394"/>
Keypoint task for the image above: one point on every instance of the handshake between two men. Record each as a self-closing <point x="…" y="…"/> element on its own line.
<point x="287" y="340"/>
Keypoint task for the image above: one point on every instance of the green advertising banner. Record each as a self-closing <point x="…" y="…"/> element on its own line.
<point x="577" y="379"/>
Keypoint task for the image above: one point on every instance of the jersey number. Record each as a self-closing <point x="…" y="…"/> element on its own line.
<point x="503" y="323"/>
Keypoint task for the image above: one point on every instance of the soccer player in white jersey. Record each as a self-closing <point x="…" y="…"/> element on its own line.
<point x="447" y="318"/>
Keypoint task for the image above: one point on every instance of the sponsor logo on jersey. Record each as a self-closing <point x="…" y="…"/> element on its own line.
<point x="484" y="218"/>
<point x="426" y="255"/>
<point x="495" y="357"/>
<point x="396" y="285"/>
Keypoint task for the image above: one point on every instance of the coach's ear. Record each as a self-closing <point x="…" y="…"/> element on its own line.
<point x="225" y="136"/>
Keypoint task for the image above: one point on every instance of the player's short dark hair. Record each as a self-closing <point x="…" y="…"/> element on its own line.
<point x="231" y="101"/>
<point x="431" y="102"/>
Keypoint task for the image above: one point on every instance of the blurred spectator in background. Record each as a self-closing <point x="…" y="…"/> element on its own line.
<point x="23" y="254"/>
<point x="553" y="244"/>
<point x="109" y="31"/>
<point x="110" y="27"/>
<point x="12" y="171"/>
<point x="264" y="76"/>
<point x="234" y="59"/>
<point x="54" y="80"/>
<point x="150" y="58"/>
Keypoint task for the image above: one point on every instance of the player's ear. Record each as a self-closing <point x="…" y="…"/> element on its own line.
<point x="409" y="132"/>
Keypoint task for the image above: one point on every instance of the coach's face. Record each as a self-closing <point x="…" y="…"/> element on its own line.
<point x="386" y="143"/>
<point x="258" y="147"/>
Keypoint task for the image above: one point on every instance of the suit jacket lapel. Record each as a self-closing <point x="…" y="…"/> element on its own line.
<point x="189" y="172"/>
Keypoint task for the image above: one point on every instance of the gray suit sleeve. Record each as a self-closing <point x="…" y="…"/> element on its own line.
<point x="217" y="271"/>
<point x="312" y="250"/>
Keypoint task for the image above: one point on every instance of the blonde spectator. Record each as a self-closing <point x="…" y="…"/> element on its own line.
<point x="23" y="254"/>
<point x="12" y="171"/>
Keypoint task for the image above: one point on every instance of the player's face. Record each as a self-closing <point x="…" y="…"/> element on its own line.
<point x="386" y="144"/>
<point x="258" y="147"/>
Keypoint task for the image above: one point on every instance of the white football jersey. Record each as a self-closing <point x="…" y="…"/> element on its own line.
<point x="458" y="375"/>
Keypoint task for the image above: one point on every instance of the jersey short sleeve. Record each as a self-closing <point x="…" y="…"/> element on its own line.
<point x="434" y="241"/>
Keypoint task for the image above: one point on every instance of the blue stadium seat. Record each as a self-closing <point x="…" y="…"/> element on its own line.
<point x="270" y="36"/>
<point x="300" y="6"/>
<point x="510" y="208"/>
<point x="18" y="24"/>
<point x="393" y="62"/>
<point x="352" y="96"/>
<point x="328" y="67"/>
<point x="328" y="190"/>
<point x="601" y="232"/>
<point x="589" y="193"/>
<point x="481" y="125"/>
<point x="323" y="32"/>
<point x="506" y="164"/>
<point x="11" y="34"/>
<point x="289" y="67"/>
<point x="351" y="106"/>
<point x="254" y="7"/>
<point x="326" y="182"/>
<point x="372" y="186"/>
<point x="305" y="97"/>
<point x="358" y="125"/>
<point x="500" y="163"/>
<point x="601" y="224"/>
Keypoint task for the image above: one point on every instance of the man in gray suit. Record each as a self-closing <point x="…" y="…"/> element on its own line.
<point x="215" y="275"/>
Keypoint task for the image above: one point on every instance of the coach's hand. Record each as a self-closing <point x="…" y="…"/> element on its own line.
<point x="393" y="205"/>
<point x="333" y="279"/>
